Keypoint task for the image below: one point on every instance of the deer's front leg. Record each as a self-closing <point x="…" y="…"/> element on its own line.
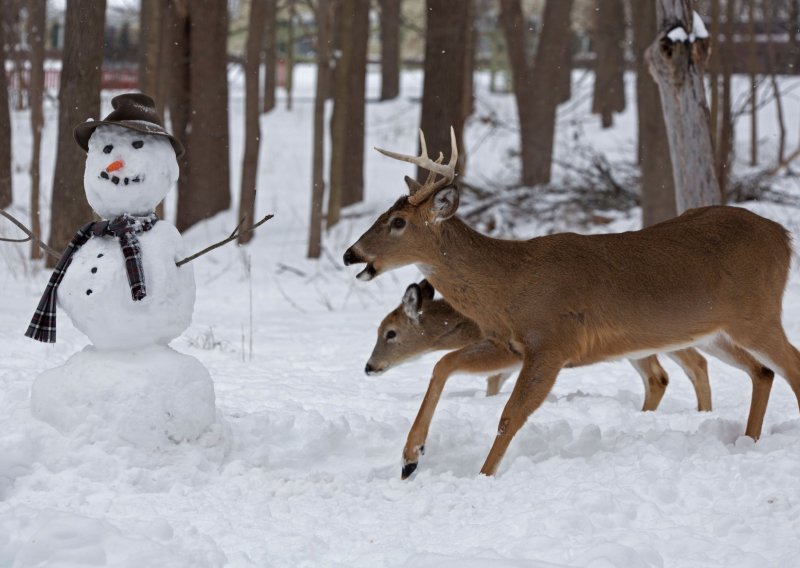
<point x="483" y="356"/>
<point x="536" y="379"/>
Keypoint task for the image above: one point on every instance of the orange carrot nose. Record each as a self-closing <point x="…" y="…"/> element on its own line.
<point x="114" y="166"/>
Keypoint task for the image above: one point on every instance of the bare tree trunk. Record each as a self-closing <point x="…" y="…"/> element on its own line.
<point x="537" y="101"/>
<point x="609" y="83"/>
<point x="270" y="55"/>
<point x="204" y="186"/>
<point x="769" y="17"/>
<point x="151" y="59"/>
<point x="36" y="30"/>
<point x="390" y="49"/>
<point x="78" y="99"/>
<point x="347" y="122"/>
<point x="657" y="185"/>
<point x="677" y="67"/>
<point x="177" y="65"/>
<point x="290" y="56"/>
<point x="713" y="73"/>
<point x="324" y="16"/>
<point x="753" y="67"/>
<point x="443" y="94"/>
<point x="252" y="129"/>
<point x="5" y="129"/>
<point x="725" y="142"/>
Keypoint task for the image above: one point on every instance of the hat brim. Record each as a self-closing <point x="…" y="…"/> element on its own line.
<point x="84" y="131"/>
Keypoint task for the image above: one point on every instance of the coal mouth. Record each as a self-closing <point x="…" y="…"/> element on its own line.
<point x="116" y="180"/>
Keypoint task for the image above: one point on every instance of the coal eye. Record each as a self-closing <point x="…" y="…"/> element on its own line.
<point x="398" y="223"/>
<point x="137" y="144"/>
<point x="107" y="149"/>
<point x="391" y="334"/>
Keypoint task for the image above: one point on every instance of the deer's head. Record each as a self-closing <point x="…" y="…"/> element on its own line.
<point x="405" y="332"/>
<point x="404" y="233"/>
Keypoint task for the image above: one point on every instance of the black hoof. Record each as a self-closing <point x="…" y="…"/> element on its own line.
<point x="408" y="469"/>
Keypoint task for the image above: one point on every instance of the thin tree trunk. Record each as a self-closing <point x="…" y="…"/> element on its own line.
<point x="270" y="55"/>
<point x="537" y="101"/>
<point x="204" y="186"/>
<point x="678" y="68"/>
<point x="713" y="72"/>
<point x="347" y="122"/>
<point x="290" y="56"/>
<point x="324" y="16"/>
<point x="151" y="59"/>
<point x="5" y="129"/>
<point x="446" y="34"/>
<point x="609" y="84"/>
<point x="390" y="49"/>
<point x="36" y="30"/>
<point x="177" y="65"/>
<point x="78" y="98"/>
<point x="769" y="17"/>
<point x="753" y="68"/>
<point x="657" y="185"/>
<point x="724" y="147"/>
<point x="252" y="129"/>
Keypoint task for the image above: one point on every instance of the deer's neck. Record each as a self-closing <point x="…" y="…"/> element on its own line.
<point x="452" y="330"/>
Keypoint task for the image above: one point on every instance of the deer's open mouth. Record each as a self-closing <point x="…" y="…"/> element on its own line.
<point x="368" y="273"/>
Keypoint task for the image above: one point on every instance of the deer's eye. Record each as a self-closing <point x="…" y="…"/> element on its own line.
<point x="398" y="223"/>
<point x="391" y="334"/>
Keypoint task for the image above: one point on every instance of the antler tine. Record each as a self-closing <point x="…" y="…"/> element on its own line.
<point x="423" y="148"/>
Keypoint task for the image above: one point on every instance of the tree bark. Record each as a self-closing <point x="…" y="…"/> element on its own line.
<point x="5" y="129"/>
<point x="36" y="29"/>
<point x="724" y="148"/>
<point x="324" y="16"/>
<point x="390" y="49"/>
<point x="270" y="55"/>
<point x="609" y="83"/>
<point x="252" y="128"/>
<point x="290" y="55"/>
<point x="753" y="69"/>
<point x="769" y="18"/>
<point x="347" y="122"/>
<point x="151" y="19"/>
<point x="657" y="185"/>
<point x="204" y="186"/>
<point x="78" y="99"/>
<point x="678" y="67"/>
<point x="443" y="91"/>
<point x="537" y="101"/>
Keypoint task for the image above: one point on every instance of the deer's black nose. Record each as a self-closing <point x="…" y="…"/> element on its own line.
<point x="368" y="369"/>
<point x="350" y="257"/>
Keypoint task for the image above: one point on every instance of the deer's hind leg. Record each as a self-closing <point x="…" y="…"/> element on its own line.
<point x="483" y="356"/>
<point x="655" y="380"/>
<point x="696" y="368"/>
<point x="761" y="377"/>
<point x="495" y="383"/>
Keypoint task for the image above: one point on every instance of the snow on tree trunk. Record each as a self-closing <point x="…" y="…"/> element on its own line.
<point x="677" y="59"/>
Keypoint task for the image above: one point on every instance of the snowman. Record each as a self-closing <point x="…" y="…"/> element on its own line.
<point x="119" y="284"/>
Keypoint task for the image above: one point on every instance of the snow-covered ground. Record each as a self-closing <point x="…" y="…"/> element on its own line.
<point x="306" y="469"/>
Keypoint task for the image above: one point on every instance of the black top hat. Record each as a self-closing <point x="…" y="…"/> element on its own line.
<point x="135" y="111"/>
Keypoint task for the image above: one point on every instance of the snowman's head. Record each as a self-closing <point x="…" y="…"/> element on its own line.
<point x="128" y="171"/>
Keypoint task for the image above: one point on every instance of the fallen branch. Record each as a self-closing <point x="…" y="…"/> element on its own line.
<point x="233" y="236"/>
<point x="30" y="237"/>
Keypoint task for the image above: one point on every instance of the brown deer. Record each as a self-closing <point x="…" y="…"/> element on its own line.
<point x="713" y="277"/>
<point x="422" y="324"/>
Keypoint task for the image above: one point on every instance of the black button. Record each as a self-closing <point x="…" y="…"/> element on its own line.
<point x="94" y="270"/>
<point x="88" y="292"/>
<point x="100" y="255"/>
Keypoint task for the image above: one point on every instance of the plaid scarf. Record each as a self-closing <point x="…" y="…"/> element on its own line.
<point x="124" y="228"/>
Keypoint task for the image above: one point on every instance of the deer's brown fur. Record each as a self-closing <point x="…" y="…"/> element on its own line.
<point x="714" y="275"/>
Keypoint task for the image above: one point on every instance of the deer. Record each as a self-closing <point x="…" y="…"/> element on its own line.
<point x="422" y="324"/>
<point x="712" y="278"/>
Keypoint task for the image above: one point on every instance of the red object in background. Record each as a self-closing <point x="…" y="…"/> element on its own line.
<point x="118" y="78"/>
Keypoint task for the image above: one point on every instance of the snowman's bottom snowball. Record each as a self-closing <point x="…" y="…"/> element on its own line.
<point x="151" y="397"/>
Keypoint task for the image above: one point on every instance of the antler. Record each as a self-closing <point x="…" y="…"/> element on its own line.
<point x="447" y="172"/>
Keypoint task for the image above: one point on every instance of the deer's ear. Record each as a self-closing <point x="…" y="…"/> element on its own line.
<point x="426" y="290"/>
<point x="444" y="203"/>
<point x="412" y="302"/>
<point x="413" y="185"/>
